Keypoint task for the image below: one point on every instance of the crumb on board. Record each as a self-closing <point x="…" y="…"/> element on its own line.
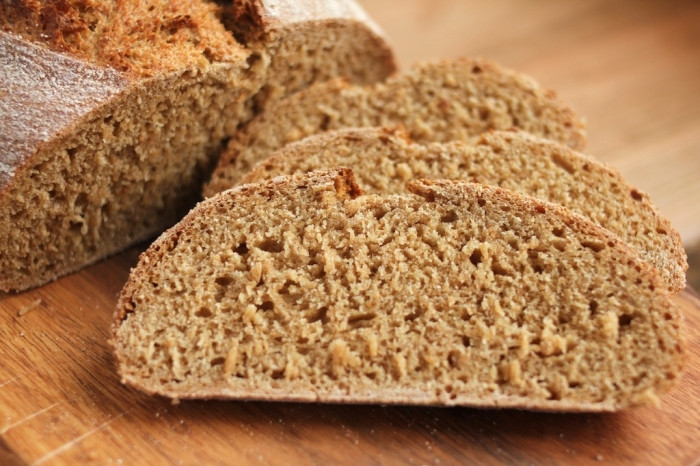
<point x="29" y="307"/>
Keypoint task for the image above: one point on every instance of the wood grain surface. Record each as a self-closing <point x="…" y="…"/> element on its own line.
<point x="632" y="68"/>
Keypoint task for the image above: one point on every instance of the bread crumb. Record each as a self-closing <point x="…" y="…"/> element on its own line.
<point x="399" y="366"/>
<point x="647" y="397"/>
<point x="372" y="345"/>
<point x="341" y="356"/>
<point x="512" y="372"/>
<point x="29" y="307"/>
<point x="404" y="171"/>
<point x="256" y="272"/>
<point x="231" y="359"/>
<point x="609" y="325"/>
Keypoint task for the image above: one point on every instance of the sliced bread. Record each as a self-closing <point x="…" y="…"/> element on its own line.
<point x="384" y="160"/>
<point x="435" y="102"/>
<point x="299" y="288"/>
<point x="112" y="113"/>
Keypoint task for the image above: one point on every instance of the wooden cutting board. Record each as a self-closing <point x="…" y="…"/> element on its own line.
<point x="631" y="67"/>
<point x="61" y="403"/>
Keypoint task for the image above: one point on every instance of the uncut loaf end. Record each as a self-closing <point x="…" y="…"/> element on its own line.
<point x="300" y="288"/>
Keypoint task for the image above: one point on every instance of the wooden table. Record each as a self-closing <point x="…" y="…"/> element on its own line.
<point x="631" y="67"/>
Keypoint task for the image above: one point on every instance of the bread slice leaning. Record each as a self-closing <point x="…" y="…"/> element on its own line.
<point x="300" y="288"/>
<point x="384" y="159"/>
<point x="436" y="102"/>
<point x="112" y="113"/>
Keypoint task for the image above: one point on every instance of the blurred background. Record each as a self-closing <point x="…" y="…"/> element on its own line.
<point x="630" y="68"/>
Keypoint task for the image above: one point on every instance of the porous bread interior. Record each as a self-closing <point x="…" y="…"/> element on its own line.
<point x="145" y="38"/>
<point x="443" y="101"/>
<point x="467" y="295"/>
<point x="383" y="161"/>
<point x="130" y="171"/>
<point x="294" y="65"/>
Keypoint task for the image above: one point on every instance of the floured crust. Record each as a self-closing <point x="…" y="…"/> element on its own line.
<point x="232" y="324"/>
<point x="287" y="12"/>
<point x="42" y="94"/>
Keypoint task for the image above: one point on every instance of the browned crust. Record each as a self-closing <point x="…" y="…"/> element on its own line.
<point x="61" y="24"/>
<point x="268" y="15"/>
<point x="52" y="81"/>
<point x="141" y="38"/>
<point x="44" y="94"/>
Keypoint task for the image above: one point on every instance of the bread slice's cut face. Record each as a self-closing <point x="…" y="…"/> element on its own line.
<point x="306" y="42"/>
<point x="435" y="102"/>
<point x="301" y="289"/>
<point x="384" y="160"/>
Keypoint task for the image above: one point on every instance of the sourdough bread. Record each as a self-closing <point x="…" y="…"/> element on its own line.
<point x="113" y="112"/>
<point x="435" y="102"/>
<point x="299" y="288"/>
<point x="384" y="160"/>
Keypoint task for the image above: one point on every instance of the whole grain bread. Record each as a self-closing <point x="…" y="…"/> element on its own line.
<point x="435" y="102"/>
<point x="113" y="112"/>
<point x="384" y="160"/>
<point x="299" y="288"/>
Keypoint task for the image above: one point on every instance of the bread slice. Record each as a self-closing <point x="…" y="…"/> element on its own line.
<point x="113" y="112"/>
<point x="384" y="159"/>
<point x="435" y="102"/>
<point x="299" y="288"/>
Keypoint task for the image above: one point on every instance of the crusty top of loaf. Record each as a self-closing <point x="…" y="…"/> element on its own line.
<point x="384" y="159"/>
<point x="143" y="38"/>
<point x="295" y="11"/>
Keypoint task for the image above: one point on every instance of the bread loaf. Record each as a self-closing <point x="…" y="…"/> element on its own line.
<point x="435" y="102"/>
<point x="301" y="289"/>
<point x="113" y="112"/>
<point x="384" y="160"/>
